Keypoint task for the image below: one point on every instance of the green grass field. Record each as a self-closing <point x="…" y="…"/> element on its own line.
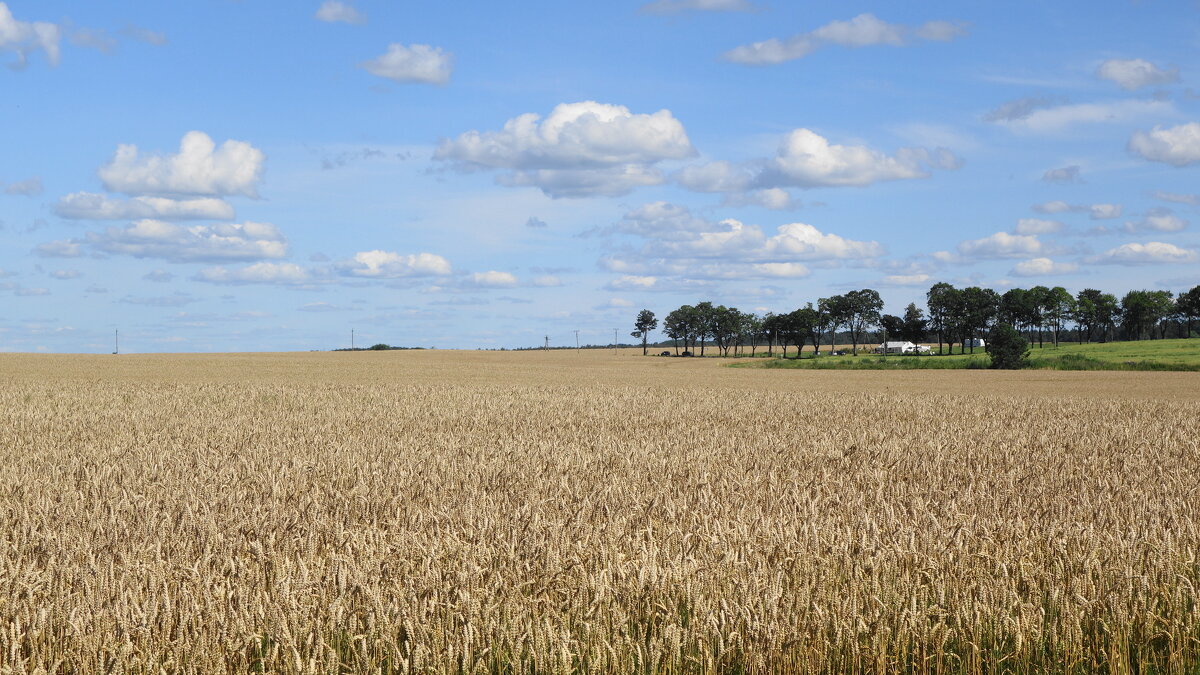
<point x="1139" y="355"/>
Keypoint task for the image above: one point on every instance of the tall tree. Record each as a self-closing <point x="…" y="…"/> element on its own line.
<point x="979" y="309"/>
<point x="645" y="322"/>
<point x="915" y="325"/>
<point x="864" y="308"/>
<point x="1039" y="300"/>
<point x="1058" y="308"/>
<point x="1141" y="312"/>
<point x="703" y="318"/>
<point x="752" y="330"/>
<point x="677" y="326"/>
<point x="725" y="324"/>
<point x="771" y="327"/>
<point x="940" y="300"/>
<point x="1187" y="306"/>
<point x="824" y="324"/>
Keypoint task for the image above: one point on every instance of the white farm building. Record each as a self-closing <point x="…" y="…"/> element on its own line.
<point x="901" y="348"/>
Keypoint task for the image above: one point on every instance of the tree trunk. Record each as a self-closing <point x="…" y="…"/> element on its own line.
<point x="644" y="344"/>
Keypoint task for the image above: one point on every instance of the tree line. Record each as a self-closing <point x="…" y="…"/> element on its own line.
<point x="951" y="316"/>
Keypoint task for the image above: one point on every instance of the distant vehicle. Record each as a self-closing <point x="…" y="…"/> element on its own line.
<point x="664" y="353"/>
<point x="685" y="354"/>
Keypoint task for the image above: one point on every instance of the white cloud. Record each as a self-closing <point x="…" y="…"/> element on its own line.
<point x="200" y="168"/>
<point x="793" y="242"/>
<point x="1066" y="174"/>
<point x="158" y="276"/>
<point x="1056" y="118"/>
<point x="420" y="64"/>
<point x="389" y="265"/>
<point x="26" y="37"/>
<point x="64" y="248"/>
<point x="92" y="206"/>
<point x="1157" y="220"/>
<point x="333" y="11"/>
<point x="1038" y="226"/>
<point x="677" y="6"/>
<point x="1178" y="146"/>
<point x="1178" y="198"/>
<point x="906" y="279"/>
<point x="805" y="159"/>
<point x="1105" y="211"/>
<point x="1001" y="245"/>
<point x="493" y="279"/>
<point x="258" y="273"/>
<point x="579" y="149"/>
<point x="63" y="275"/>
<point x="862" y="31"/>
<point x="1150" y="253"/>
<point x="547" y="281"/>
<point x="1042" y="267"/>
<point x="781" y="270"/>
<point x="1053" y="207"/>
<point x="633" y="282"/>
<point x="662" y="220"/>
<point x="30" y="187"/>
<point x="536" y="223"/>
<point x="225" y="242"/>
<point x="1130" y="74"/>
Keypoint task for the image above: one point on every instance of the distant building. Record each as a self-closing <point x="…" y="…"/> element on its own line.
<point x="974" y="342"/>
<point x="901" y="348"/>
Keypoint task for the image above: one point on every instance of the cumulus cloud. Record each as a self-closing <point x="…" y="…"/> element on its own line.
<point x="1157" y="220"/>
<point x="863" y="30"/>
<point x="420" y="64"/>
<point x="775" y="199"/>
<point x="158" y="276"/>
<point x="258" y="273"/>
<point x="1037" y="267"/>
<point x="333" y="11"/>
<point x="92" y="206"/>
<point x="536" y="223"/>
<point x="792" y="242"/>
<point x="199" y="168"/>
<point x="1038" y="118"/>
<point x="64" y="248"/>
<point x="1066" y="174"/>
<point x="1001" y="245"/>
<point x="30" y="187"/>
<point x="1105" y="211"/>
<point x="379" y="264"/>
<point x="661" y="220"/>
<point x="226" y="242"/>
<point x="1130" y="74"/>
<point x="906" y="279"/>
<point x="579" y="149"/>
<point x="1094" y="211"/>
<point x="1177" y="146"/>
<point x="805" y="159"/>
<point x="492" y="279"/>
<point x="1178" y="198"/>
<point x="26" y="37"/>
<point x="1038" y="226"/>
<point x="547" y="281"/>
<point x="1150" y="253"/>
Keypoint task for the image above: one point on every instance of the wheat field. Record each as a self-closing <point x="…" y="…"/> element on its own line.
<point x="558" y="512"/>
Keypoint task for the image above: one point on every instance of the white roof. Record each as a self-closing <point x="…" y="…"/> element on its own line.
<point x="894" y="345"/>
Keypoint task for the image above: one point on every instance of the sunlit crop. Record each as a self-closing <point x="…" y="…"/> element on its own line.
<point x="563" y="512"/>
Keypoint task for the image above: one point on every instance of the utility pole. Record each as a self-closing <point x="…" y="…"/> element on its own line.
<point x="576" y="339"/>
<point x="116" y="341"/>
<point x="614" y="341"/>
<point x="547" y="345"/>
<point x="351" y="339"/>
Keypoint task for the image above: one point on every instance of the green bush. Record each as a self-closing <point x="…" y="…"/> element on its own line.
<point x="1009" y="351"/>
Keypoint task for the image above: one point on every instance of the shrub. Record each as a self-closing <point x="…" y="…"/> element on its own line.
<point x="1009" y="351"/>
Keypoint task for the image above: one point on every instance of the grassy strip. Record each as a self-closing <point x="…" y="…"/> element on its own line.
<point x="977" y="362"/>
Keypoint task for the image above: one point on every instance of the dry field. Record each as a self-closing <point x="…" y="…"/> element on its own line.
<point x="591" y="512"/>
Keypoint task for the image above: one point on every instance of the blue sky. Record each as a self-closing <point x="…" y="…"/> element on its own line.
<point x="213" y="175"/>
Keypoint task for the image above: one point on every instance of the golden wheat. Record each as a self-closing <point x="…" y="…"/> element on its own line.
<point x="591" y="512"/>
